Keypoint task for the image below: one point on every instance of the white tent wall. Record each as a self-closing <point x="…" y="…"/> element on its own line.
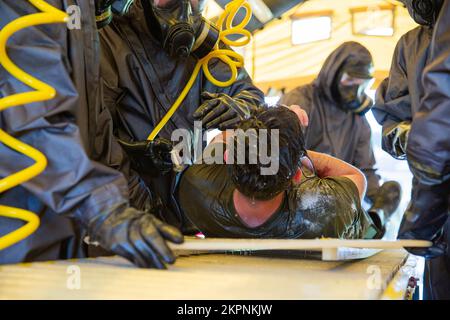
<point x="274" y="61"/>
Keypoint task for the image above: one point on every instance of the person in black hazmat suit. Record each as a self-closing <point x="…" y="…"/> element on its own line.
<point x="75" y="195"/>
<point x="148" y="56"/>
<point x="398" y="101"/>
<point x="336" y="103"/>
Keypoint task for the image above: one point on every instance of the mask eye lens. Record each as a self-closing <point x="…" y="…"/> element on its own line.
<point x="164" y="4"/>
<point x="348" y="80"/>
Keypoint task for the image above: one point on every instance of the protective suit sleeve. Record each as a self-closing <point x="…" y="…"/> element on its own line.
<point x="72" y="183"/>
<point x="428" y="148"/>
<point x="392" y="107"/>
<point x="365" y="161"/>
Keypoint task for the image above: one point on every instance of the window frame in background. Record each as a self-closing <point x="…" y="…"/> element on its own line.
<point x="368" y="9"/>
<point x="311" y="15"/>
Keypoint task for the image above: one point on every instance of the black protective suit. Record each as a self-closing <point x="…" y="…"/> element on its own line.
<point x="399" y="103"/>
<point x="72" y="184"/>
<point x="140" y="83"/>
<point x="428" y="153"/>
<point x="334" y="130"/>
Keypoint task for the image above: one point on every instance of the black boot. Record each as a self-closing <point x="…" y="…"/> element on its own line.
<point x="386" y="202"/>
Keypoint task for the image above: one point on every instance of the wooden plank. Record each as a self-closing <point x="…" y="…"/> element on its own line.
<point x="216" y="244"/>
<point x="330" y="249"/>
<point x="212" y="276"/>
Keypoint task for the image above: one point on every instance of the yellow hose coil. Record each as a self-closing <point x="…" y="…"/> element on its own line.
<point x="42" y="92"/>
<point x="231" y="58"/>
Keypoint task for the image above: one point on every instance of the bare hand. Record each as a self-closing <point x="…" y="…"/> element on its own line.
<point x="301" y="114"/>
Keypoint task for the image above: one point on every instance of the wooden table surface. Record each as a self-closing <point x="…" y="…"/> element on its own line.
<point x="210" y="276"/>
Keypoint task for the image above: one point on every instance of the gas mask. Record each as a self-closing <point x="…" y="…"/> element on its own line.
<point x="352" y="93"/>
<point x="424" y="12"/>
<point x="180" y="27"/>
<point x="104" y="10"/>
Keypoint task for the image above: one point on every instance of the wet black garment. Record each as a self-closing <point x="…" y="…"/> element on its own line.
<point x="398" y="96"/>
<point x="141" y="82"/>
<point x="332" y="129"/>
<point x="73" y="184"/>
<point x="316" y="207"/>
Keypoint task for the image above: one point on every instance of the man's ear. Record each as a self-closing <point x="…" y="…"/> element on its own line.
<point x="298" y="176"/>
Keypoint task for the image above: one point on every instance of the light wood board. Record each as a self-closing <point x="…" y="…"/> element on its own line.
<point x="212" y="276"/>
<point x="331" y="249"/>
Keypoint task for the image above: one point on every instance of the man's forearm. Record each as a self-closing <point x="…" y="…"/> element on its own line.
<point x="328" y="166"/>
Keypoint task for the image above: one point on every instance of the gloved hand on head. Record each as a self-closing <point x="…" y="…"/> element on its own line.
<point x="152" y="157"/>
<point x="425" y="217"/>
<point x="135" y="235"/>
<point x="220" y="111"/>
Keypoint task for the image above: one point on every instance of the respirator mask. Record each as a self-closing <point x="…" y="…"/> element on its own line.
<point x="180" y="27"/>
<point x="104" y="10"/>
<point x="352" y="92"/>
<point x="424" y="12"/>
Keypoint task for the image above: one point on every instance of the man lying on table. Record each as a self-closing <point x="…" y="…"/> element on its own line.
<point x="309" y="195"/>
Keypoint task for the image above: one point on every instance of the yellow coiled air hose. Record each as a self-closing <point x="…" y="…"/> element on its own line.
<point x="43" y="92"/>
<point x="231" y="58"/>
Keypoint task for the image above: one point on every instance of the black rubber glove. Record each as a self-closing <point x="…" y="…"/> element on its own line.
<point x="152" y="157"/>
<point x="385" y="203"/>
<point x="220" y="111"/>
<point x="395" y="140"/>
<point x="425" y="217"/>
<point x="137" y="236"/>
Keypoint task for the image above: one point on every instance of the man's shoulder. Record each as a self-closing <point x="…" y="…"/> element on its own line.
<point x="333" y="189"/>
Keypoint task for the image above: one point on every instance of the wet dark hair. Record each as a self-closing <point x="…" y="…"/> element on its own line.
<point x="247" y="177"/>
